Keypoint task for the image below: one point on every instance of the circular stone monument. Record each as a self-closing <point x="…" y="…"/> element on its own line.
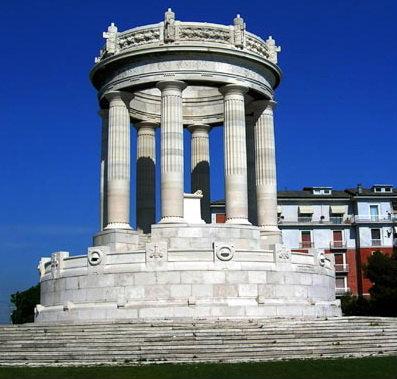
<point x="175" y="75"/>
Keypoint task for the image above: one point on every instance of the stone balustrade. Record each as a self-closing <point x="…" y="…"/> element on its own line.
<point x="187" y="33"/>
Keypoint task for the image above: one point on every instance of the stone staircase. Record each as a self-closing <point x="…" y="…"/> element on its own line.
<point x="195" y="341"/>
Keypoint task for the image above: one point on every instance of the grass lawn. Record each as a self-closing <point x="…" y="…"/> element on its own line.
<point x="364" y="368"/>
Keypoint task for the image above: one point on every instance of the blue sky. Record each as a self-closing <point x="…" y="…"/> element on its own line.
<point x="335" y="120"/>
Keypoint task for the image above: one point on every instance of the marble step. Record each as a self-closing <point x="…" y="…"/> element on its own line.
<point x="201" y="341"/>
<point x="198" y="334"/>
<point x="196" y="337"/>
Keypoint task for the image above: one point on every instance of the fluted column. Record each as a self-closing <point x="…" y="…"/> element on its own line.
<point x="118" y="196"/>
<point x="265" y="170"/>
<point x="200" y="166"/>
<point x="104" y="113"/>
<point x="235" y="154"/>
<point x="146" y="175"/>
<point x="250" y="145"/>
<point x="171" y="151"/>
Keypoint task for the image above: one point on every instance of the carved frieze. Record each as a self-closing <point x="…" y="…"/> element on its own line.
<point x="204" y="33"/>
<point x="171" y="31"/>
<point x="141" y="37"/>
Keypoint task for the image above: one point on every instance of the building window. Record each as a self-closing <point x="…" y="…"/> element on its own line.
<point x="321" y="191"/>
<point x="305" y="213"/>
<point x="382" y="188"/>
<point x="374" y="212"/>
<point x="306" y="239"/>
<point x="340" y="263"/>
<point x="337" y="239"/>
<point x="376" y="237"/>
<point x="341" y="285"/>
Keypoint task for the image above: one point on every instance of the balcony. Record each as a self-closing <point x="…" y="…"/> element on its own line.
<point x="309" y="220"/>
<point x="306" y="245"/>
<point x="341" y="268"/>
<point x="376" y="242"/>
<point x="305" y="219"/>
<point x="342" y="291"/>
<point x="336" y="220"/>
<point x="337" y="245"/>
<point x="370" y="219"/>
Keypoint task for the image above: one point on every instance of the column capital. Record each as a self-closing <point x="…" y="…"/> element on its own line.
<point x="259" y="106"/>
<point x="146" y="125"/>
<point x="199" y="128"/>
<point x="233" y="89"/>
<point x="125" y="97"/>
<point x="169" y="85"/>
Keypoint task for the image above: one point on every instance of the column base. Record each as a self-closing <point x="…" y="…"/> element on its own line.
<point x="118" y="225"/>
<point x="238" y="221"/>
<point x="120" y="240"/>
<point x="272" y="234"/>
<point x="172" y="220"/>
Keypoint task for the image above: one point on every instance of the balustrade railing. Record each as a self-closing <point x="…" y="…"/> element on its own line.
<point x="376" y="242"/>
<point x="306" y="245"/>
<point x="337" y="244"/>
<point x="341" y="267"/>
<point x="342" y="291"/>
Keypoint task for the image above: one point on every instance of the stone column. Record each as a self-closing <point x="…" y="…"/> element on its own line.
<point x="146" y="176"/>
<point x="118" y="196"/>
<point x="200" y="166"/>
<point x="265" y="170"/>
<point x="104" y="113"/>
<point x="171" y="151"/>
<point x="235" y="154"/>
<point x="250" y="145"/>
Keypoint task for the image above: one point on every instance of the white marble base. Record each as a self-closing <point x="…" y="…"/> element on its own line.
<point x="194" y="272"/>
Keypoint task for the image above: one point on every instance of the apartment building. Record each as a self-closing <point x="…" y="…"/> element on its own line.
<point x="350" y="223"/>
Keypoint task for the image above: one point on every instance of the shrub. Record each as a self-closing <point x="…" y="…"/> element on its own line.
<point x="24" y="303"/>
<point x="356" y="306"/>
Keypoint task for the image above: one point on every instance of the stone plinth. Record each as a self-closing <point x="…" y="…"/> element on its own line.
<point x="118" y="240"/>
<point x="198" y="271"/>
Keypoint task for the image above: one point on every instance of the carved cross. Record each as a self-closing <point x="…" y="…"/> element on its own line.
<point x="157" y="254"/>
<point x="272" y="49"/>
<point x="111" y="39"/>
<point x="239" y="31"/>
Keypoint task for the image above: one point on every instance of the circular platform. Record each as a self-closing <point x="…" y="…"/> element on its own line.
<point x="194" y="271"/>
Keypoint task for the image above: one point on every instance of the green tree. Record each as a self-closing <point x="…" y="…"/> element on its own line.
<point x="381" y="269"/>
<point x="24" y="303"/>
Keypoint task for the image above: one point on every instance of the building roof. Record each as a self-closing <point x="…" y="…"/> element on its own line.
<point x="370" y="192"/>
<point x="307" y="193"/>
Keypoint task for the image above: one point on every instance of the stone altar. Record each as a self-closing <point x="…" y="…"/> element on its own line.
<point x="175" y="75"/>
